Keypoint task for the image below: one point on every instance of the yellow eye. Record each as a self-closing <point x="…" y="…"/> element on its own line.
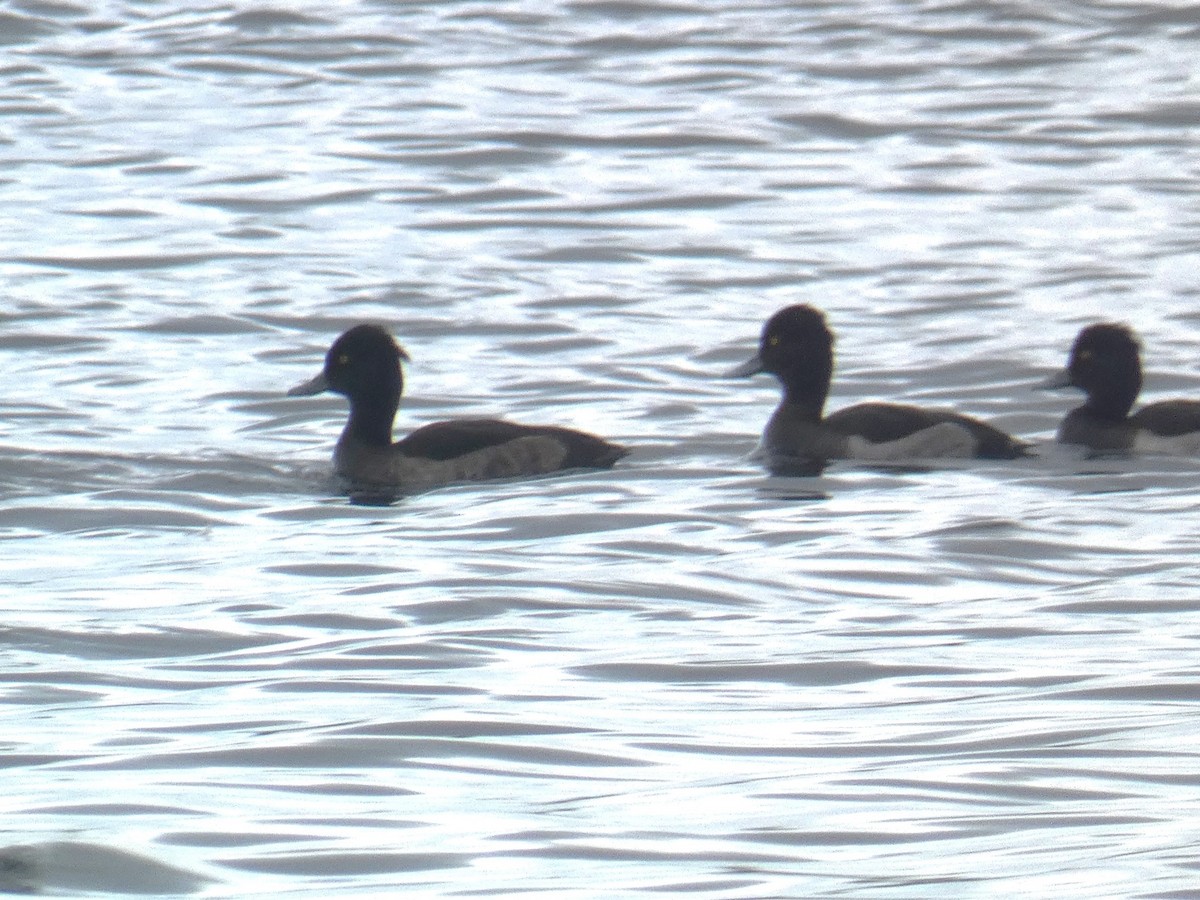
<point x="1085" y="355"/>
<point x="773" y="340"/>
<point x="343" y="359"/>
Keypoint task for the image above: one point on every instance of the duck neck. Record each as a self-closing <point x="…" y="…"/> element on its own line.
<point x="805" y="409"/>
<point x="1115" y="400"/>
<point x="806" y="388"/>
<point x="371" y="421"/>
<point x="1108" y="409"/>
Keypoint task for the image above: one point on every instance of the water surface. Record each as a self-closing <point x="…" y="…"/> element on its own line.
<point x="682" y="676"/>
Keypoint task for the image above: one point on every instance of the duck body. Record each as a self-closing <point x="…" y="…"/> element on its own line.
<point x="364" y="365"/>
<point x="1170" y="426"/>
<point x="462" y="437"/>
<point x="1105" y="363"/>
<point x="889" y="423"/>
<point x="1169" y="418"/>
<point x="797" y="347"/>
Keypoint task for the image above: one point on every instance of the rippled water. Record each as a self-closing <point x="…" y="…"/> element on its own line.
<point x="682" y="676"/>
